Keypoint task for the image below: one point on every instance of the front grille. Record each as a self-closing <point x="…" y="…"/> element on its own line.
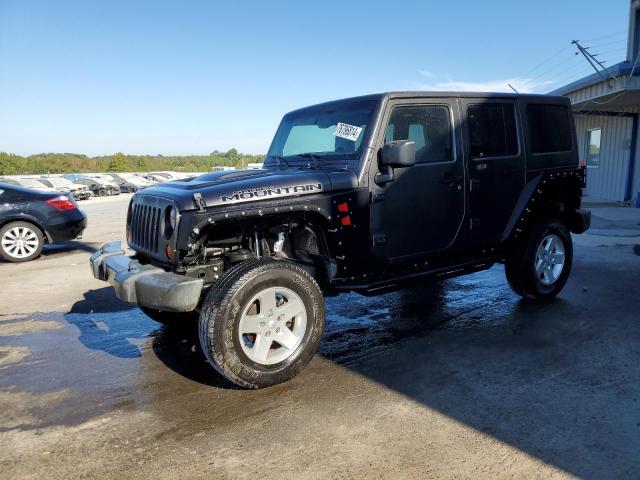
<point x="146" y="215"/>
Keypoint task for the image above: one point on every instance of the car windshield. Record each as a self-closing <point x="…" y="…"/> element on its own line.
<point x="331" y="131"/>
<point x="60" y="182"/>
<point x="30" y="183"/>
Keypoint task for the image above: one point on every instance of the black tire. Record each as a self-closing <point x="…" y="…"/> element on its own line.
<point x="520" y="264"/>
<point x="102" y="192"/>
<point x="228" y="300"/>
<point x="7" y="252"/>
<point x="170" y="318"/>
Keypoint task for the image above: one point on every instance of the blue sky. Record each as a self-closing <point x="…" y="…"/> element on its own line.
<point x="188" y="77"/>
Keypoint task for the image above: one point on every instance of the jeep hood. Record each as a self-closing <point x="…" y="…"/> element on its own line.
<point x="228" y="188"/>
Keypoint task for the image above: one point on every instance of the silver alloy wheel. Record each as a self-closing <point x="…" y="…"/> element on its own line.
<point x="550" y="259"/>
<point x="20" y="242"/>
<point x="272" y="325"/>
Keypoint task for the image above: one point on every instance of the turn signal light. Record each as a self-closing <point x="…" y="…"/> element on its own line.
<point x="169" y="252"/>
<point x="62" y="203"/>
<point x="343" y="207"/>
<point x="346" y="220"/>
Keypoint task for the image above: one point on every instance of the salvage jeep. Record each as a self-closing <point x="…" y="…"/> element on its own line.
<point x="367" y="194"/>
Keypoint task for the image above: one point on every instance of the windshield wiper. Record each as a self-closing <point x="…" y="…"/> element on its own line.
<point x="282" y="162"/>
<point x="313" y="156"/>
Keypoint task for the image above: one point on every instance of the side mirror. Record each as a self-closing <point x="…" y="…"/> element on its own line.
<point x="398" y="153"/>
<point x="395" y="154"/>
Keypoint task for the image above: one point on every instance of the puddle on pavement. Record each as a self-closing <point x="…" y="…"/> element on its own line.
<point x="106" y="355"/>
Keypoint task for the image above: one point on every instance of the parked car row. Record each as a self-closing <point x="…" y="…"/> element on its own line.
<point x="83" y="186"/>
<point x="35" y="211"/>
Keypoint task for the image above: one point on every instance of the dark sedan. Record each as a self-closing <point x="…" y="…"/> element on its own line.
<point x="29" y="219"/>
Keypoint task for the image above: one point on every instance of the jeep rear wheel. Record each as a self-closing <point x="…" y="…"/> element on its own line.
<point x="261" y="324"/>
<point x="538" y="267"/>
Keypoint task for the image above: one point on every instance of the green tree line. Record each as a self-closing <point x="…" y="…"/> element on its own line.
<point x="45" y="163"/>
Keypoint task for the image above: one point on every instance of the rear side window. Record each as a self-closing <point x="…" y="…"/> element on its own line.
<point x="492" y="128"/>
<point x="549" y="128"/>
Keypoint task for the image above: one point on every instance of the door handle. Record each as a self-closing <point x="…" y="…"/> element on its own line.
<point x="450" y="178"/>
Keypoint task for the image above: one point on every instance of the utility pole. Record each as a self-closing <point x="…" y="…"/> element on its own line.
<point x="593" y="61"/>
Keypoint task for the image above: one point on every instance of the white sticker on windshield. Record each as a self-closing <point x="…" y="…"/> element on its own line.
<point x="349" y="132"/>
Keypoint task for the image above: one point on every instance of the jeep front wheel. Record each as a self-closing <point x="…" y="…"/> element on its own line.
<point x="538" y="266"/>
<point x="261" y="324"/>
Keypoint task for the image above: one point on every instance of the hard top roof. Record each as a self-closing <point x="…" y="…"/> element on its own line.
<point x="437" y="94"/>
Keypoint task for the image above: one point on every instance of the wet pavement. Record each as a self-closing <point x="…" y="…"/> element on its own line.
<point x="454" y="379"/>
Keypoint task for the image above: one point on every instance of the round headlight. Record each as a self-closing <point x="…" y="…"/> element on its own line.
<point x="170" y="218"/>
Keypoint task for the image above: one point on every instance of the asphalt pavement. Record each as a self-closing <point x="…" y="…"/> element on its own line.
<point x="455" y="379"/>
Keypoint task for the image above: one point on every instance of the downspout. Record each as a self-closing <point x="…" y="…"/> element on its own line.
<point x="628" y="196"/>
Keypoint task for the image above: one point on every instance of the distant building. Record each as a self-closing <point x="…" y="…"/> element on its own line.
<point x="255" y="166"/>
<point x="607" y="106"/>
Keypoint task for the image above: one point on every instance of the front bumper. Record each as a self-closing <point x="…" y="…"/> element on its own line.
<point x="145" y="285"/>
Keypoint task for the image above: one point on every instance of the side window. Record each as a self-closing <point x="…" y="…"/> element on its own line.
<point x="593" y="147"/>
<point x="549" y="128"/>
<point x="492" y="128"/>
<point x="429" y="126"/>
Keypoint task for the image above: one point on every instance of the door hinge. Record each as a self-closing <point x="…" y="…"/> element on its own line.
<point x="377" y="197"/>
<point x="474" y="184"/>
<point x="379" y="238"/>
<point x="198" y="201"/>
<point x="474" y="223"/>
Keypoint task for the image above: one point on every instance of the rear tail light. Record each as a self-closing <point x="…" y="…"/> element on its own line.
<point x="62" y="203"/>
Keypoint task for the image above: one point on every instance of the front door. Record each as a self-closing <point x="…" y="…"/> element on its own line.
<point x="422" y="209"/>
<point x="496" y="166"/>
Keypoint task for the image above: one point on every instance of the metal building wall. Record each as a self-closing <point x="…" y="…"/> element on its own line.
<point x="636" y="174"/>
<point x="609" y="180"/>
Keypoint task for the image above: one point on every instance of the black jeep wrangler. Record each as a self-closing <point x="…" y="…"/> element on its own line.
<point x="367" y="194"/>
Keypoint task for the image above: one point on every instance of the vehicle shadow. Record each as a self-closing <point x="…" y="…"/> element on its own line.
<point x="114" y="327"/>
<point x="73" y="246"/>
<point x="109" y="325"/>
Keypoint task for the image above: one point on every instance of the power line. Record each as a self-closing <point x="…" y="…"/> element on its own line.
<point x="547" y="60"/>
<point x="562" y="62"/>
<point x="619" y="33"/>
<point x="606" y="44"/>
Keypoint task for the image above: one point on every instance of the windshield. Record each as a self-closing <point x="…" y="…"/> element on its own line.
<point x="331" y="131"/>
<point x="60" y="182"/>
<point x="30" y="183"/>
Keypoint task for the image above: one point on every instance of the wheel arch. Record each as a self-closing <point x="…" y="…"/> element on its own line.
<point x="28" y="219"/>
<point x="548" y="195"/>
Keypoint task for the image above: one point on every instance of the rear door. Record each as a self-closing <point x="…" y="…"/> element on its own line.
<point x="494" y="148"/>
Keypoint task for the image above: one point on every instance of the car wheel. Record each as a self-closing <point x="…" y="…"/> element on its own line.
<point x="261" y="323"/>
<point x="103" y="192"/>
<point x="170" y="318"/>
<point x="132" y="189"/>
<point x="538" y="267"/>
<point x="20" y="242"/>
